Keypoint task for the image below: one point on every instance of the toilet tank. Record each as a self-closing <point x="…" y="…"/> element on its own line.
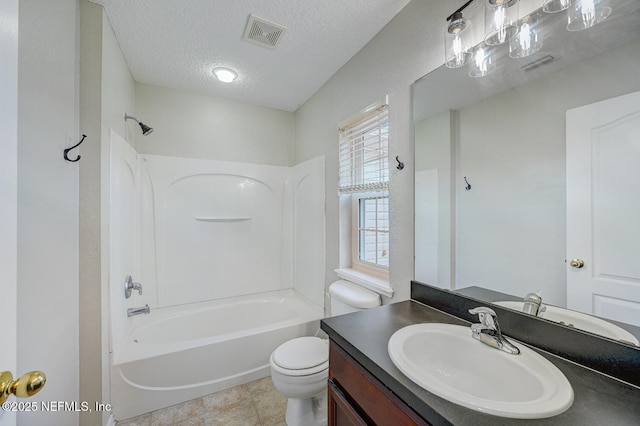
<point x="349" y="297"/>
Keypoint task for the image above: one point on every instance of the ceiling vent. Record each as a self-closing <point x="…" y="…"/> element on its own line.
<point x="263" y="33"/>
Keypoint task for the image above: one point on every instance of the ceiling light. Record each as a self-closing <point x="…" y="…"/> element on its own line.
<point x="225" y="75"/>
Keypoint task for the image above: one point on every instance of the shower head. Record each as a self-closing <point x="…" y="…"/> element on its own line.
<point x="146" y="130"/>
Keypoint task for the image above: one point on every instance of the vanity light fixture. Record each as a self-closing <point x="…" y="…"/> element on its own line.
<point x="482" y="63"/>
<point x="555" y="6"/>
<point x="504" y="24"/>
<point x="457" y="40"/>
<point x="585" y="14"/>
<point x="224" y="74"/>
<point x="500" y="20"/>
<point x="528" y="38"/>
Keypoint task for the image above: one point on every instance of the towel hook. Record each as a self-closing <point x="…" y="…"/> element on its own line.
<point x="400" y="165"/>
<point x="66" y="151"/>
<point x="468" y="186"/>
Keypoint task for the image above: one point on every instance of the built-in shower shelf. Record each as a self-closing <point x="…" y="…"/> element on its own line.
<point x="221" y="219"/>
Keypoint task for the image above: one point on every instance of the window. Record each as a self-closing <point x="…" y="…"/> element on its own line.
<point x="364" y="177"/>
<point x="364" y="150"/>
<point x="373" y="229"/>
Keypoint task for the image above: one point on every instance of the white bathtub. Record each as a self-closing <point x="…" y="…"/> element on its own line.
<point x="183" y="352"/>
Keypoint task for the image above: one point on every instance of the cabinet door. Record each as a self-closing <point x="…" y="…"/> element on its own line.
<point x="360" y="399"/>
<point x="341" y="413"/>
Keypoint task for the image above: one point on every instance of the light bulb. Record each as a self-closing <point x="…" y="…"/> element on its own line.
<point x="528" y="39"/>
<point x="585" y="14"/>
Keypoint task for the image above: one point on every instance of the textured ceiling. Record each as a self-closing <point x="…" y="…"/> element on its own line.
<point x="176" y="43"/>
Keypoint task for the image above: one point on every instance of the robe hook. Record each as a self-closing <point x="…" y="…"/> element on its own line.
<point x="400" y="165"/>
<point x="468" y="186"/>
<point x="66" y="151"/>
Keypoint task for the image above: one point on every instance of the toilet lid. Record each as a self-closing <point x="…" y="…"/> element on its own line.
<point x="301" y="353"/>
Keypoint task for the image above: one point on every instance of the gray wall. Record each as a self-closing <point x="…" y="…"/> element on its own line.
<point x="107" y="91"/>
<point x="200" y="126"/>
<point x="407" y="48"/>
<point x="513" y="147"/>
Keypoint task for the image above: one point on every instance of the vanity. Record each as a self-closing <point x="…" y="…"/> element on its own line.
<point x="365" y="387"/>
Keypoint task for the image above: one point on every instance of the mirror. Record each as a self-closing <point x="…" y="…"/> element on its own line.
<point x="495" y="172"/>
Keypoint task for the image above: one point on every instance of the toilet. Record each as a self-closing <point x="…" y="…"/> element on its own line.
<point x="300" y="367"/>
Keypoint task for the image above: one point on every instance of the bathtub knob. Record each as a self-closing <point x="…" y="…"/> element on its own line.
<point x="129" y="286"/>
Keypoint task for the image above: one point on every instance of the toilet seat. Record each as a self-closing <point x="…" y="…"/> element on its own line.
<point x="302" y="356"/>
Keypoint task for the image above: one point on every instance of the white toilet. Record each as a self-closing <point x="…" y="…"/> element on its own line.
<point x="300" y="367"/>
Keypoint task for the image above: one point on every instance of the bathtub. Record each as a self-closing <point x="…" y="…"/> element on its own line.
<point x="178" y="353"/>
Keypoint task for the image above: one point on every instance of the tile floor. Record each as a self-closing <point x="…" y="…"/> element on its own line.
<point x="254" y="404"/>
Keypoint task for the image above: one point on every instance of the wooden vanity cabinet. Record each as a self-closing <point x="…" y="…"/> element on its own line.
<point x="356" y="398"/>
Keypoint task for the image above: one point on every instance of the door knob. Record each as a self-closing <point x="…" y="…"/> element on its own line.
<point x="576" y="263"/>
<point x="25" y="386"/>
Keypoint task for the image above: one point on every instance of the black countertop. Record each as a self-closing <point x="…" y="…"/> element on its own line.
<point x="598" y="399"/>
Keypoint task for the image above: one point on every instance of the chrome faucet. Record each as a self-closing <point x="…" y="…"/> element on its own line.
<point x="488" y="330"/>
<point x="533" y="304"/>
<point x="137" y="311"/>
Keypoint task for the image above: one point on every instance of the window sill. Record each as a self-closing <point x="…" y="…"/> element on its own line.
<point x="376" y="284"/>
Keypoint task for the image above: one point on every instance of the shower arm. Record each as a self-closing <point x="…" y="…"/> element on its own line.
<point x="146" y="130"/>
<point x="130" y="117"/>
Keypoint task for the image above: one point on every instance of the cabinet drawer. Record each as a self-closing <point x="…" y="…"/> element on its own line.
<point x="368" y="397"/>
<point x="341" y="412"/>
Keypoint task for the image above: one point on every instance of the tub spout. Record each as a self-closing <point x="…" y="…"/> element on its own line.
<point x="137" y="311"/>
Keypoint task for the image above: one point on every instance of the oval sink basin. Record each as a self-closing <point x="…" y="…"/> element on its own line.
<point x="445" y="360"/>
<point x="578" y="320"/>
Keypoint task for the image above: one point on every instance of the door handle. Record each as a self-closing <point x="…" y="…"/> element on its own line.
<point x="25" y="386"/>
<point x="576" y="263"/>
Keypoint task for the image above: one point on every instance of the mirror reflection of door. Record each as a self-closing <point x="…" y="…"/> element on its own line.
<point x="603" y="207"/>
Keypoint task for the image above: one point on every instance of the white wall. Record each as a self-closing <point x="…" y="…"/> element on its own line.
<point x="200" y="126"/>
<point x="48" y="203"/>
<point x="407" y="48"/>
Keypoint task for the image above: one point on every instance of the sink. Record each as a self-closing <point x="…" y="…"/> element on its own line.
<point x="580" y="321"/>
<point x="445" y="360"/>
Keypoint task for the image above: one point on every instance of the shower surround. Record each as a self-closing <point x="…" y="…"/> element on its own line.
<point x="231" y="261"/>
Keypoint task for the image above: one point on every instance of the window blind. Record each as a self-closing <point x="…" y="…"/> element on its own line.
<point x="364" y="148"/>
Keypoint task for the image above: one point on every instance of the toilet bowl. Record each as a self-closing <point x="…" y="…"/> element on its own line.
<point x="299" y="371"/>
<point x="300" y="367"/>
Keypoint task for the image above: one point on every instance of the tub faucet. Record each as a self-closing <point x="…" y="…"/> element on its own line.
<point x="129" y="286"/>
<point x="137" y="311"/>
<point x="488" y="330"/>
